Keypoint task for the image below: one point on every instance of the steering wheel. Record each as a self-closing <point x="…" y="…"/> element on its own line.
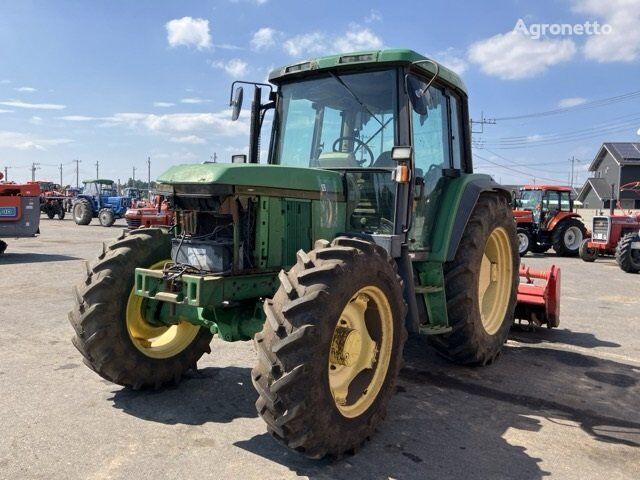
<point x="359" y="143"/>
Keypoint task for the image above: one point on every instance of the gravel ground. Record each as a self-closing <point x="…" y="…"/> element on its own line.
<point x="562" y="403"/>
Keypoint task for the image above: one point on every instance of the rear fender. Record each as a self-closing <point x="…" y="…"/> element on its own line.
<point x="559" y="217"/>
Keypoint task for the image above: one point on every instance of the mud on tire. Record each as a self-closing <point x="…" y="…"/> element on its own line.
<point x="99" y="316"/>
<point x="293" y="348"/>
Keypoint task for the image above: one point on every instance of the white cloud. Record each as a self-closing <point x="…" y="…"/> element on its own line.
<point x="36" y="106"/>
<point x="77" y="118"/>
<point x="571" y="102"/>
<point x="194" y="100"/>
<point x="513" y="56"/>
<point x="308" y="43"/>
<point x="26" y="89"/>
<point x="163" y="104"/>
<point x="189" y="32"/>
<point x="358" y="38"/>
<point x="5" y="82"/>
<point x="315" y="43"/>
<point x="234" y="67"/>
<point x="264" y="38"/>
<point x="189" y="139"/>
<point x="25" y="141"/>
<point x="622" y="44"/>
<point x="373" y="16"/>
<point x="451" y="59"/>
<point x="219" y="123"/>
<point x="35" y="120"/>
<point x="4" y="110"/>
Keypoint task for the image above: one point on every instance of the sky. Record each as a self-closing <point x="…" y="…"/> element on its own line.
<point x="117" y="82"/>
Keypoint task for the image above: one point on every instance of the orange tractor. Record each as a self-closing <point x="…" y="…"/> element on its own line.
<point x="545" y="218"/>
<point x="156" y="213"/>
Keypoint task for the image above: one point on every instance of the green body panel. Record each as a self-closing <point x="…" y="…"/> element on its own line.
<point x="366" y="59"/>
<point x="252" y="175"/>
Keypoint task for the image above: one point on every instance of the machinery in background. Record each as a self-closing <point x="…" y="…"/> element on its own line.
<point x="539" y="297"/>
<point x="157" y="213"/>
<point x="19" y="211"/>
<point x="99" y="199"/>
<point x="545" y="218"/>
<point x="52" y="200"/>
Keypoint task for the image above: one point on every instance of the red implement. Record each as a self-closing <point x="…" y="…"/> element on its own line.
<point x="539" y="302"/>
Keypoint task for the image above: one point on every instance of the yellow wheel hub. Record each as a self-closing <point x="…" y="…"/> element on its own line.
<point x="495" y="281"/>
<point x="156" y="341"/>
<point x="360" y="351"/>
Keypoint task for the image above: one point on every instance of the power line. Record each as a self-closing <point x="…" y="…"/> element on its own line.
<point x="583" y="106"/>
<point x="529" y="175"/>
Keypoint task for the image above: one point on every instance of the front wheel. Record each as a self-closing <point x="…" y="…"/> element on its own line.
<point x="106" y="217"/>
<point x="628" y="253"/>
<point x="331" y="348"/>
<point x="587" y="253"/>
<point x="481" y="285"/>
<point x="524" y="241"/>
<point x="113" y="333"/>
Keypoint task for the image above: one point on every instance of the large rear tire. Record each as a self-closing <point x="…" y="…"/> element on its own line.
<point x="82" y="212"/>
<point x="567" y="237"/>
<point x="331" y="349"/>
<point x="481" y="285"/>
<point x="111" y="333"/>
<point x="627" y="257"/>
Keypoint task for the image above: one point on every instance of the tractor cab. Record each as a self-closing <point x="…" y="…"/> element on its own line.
<point x="545" y="202"/>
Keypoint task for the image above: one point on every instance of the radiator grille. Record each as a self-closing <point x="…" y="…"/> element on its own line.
<point x="600" y="230"/>
<point x="297" y="229"/>
<point x="134" y="223"/>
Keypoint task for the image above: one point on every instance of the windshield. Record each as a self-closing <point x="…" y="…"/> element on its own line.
<point x="338" y="121"/>
<point x="530" y="199"/>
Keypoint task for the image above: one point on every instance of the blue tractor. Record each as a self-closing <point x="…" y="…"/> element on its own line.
<point x="100" y="200"/>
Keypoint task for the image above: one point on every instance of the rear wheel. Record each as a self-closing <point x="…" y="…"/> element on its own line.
<point x="587" y="253"/>
<point x="3" y="247"/>
<point x="567" y="237"/>
<point x="61" y="212"/>
<point x="331" y="348"/>
<point x="628" y="257"/>
<point x="112" y="332"/>
<point x="82" y="212"/>
<point x="524" y="241"/>
<point x="481" y="285"/>
<point x="50" y="211"/>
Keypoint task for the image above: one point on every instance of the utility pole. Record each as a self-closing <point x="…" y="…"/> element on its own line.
<point x="573" y="161"/>
<point x="149" y="174"/>
<point x="134" y="177"/>
<point x="34" y="167"/>
<point x="77" y="162"/>
<point x="6" y="174"/>
<point x="97" y="169"/>
<point x="60" y="168"/>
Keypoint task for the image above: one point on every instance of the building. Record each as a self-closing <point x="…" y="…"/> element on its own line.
<point x="615" y="164"/>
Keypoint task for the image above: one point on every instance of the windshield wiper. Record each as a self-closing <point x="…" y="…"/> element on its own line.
<point x="339" y="80"/>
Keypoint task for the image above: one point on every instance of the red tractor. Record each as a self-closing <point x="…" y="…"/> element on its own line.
<point x="52" y="200"/>
<point x="615" y="235"/>
<point x="545" y="218"/>
<point x="156" y="213"/>
<point x="19" y="211"/>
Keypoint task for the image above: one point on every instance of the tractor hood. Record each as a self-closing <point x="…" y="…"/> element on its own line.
<point x="217" y="178"/>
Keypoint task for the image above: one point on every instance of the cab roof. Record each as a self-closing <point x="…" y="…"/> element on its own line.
<point x="100" y="180"/>
<point x="371" y="58"/>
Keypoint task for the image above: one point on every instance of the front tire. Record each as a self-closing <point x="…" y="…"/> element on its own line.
<point x="524" y="241"/>
<point x="82" y="212"/>
<point x="481" y="285"/>
<point x="106" y="217"/>
<point x="628" y="258"/>
<point x="567" y="237"/>
<point x="331" y="349"/>
<point x="587" y="253"/>
<point x="112" y="335"/>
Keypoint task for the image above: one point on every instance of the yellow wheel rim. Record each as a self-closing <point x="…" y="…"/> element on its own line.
<point x="153" y="341"/>
<point x="360" y="351"/>
<point x="495" y="280"/>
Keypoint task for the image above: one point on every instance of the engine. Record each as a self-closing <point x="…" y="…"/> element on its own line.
<point x="214" y="234"/>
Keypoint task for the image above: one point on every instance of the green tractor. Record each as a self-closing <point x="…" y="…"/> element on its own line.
<point x="366" y="223"/>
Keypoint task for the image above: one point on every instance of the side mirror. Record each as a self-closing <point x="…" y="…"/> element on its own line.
<point x="236" y="103"/>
